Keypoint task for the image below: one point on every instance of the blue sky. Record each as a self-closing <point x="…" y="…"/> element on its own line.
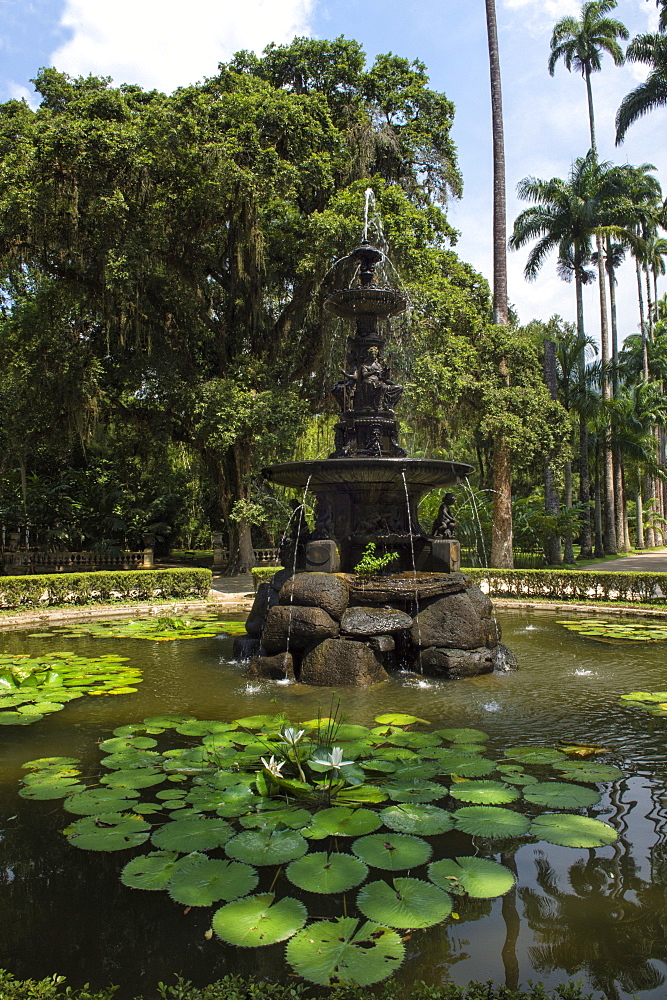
<point x="167" y="43"/>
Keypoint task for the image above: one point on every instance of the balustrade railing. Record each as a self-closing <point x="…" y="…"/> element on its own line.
<point x="21" y="561"/>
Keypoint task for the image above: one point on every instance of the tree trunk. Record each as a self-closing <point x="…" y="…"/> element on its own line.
<point x="640" y="519"/>
<point x="552" y="548"/>
<point x="591" y="113"/>
<point x="568" y="555"/>
<point x="501" y="541"/>
<point x="500" y="314"/>
<point x="626" y="520"/>
<point x="599" y="542"/>
<point x="610" y="546"/>
<point x="613" y="315"/>
<point x="642" y="321"/>
<point x="501" y="533"/>
<point x="584" y="476"/>
<point x="246" y="559"/>
<point x="649" y="534"/>
<point x="619" y="506"/>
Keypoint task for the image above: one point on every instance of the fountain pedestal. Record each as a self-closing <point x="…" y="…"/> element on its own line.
<point x="321" y="622"/>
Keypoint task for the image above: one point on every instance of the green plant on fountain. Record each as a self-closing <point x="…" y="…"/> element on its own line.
<point x="233" y="811"/>
<point x="370" y="563"/>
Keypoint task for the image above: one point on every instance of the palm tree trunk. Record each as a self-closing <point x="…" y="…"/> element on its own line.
<point x="591" y="113"/>
<point x="568" y="554"/>
<point x="586" y="547"/>
<point x="642" y="320"/>
<point x="649" y="304"/>
<point x="649" y="535"/>
<point x="640" y="517"/>
<point x="609" y="506"/>
<point x="619" y="506"/>
<point x="614" y="317"/>
<point x="501" y="542"/>
<point x="552" y="549"/>
<point x="599" y="542"/>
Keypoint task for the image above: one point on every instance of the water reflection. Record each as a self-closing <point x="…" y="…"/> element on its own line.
<point x="599" y="915"/>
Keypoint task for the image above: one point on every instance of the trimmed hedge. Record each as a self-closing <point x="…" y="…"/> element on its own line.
<point x="264" y="574"/>
<point x="573" y="585"/>
<point x="36" y="591"/>
<point x="238" y="988"/>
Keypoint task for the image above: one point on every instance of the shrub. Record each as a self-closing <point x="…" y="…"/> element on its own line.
<point x="264" y="574"/>
<point x="238" y="988"/>
<point x="102" y="588"/>
<point x="573" y="585"/>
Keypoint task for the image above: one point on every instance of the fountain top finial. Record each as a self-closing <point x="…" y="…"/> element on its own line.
<point x="368" y="258"/>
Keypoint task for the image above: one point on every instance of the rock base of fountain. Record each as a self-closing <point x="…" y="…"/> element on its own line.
<point x="344" y="630"/>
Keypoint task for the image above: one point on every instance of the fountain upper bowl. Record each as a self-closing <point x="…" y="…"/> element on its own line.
<point x="352" y="302"/>
<point x="421" y="474"/>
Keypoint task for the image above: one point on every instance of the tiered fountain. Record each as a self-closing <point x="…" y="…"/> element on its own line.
<point x="318" y="620"/>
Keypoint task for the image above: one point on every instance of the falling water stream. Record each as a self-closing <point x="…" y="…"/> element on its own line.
<point x="414" y="570"/>
<point x="478" y="523"/>
<point x="296" y="553"/>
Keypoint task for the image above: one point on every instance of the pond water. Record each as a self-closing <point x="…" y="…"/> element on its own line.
<point x="596" y="915"/>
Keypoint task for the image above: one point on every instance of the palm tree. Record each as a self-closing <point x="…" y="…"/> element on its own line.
<point x="564" y="217"/>
<point x="579" y="43"/>
<point x="501" y="542"/>
<point x="652" y="93"/>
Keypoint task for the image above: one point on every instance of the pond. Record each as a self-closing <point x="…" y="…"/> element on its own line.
<point x="599" y="915"/>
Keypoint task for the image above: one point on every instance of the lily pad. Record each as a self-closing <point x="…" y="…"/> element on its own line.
<point x="398" y="719"/>
<point x="490" y="793"/>
<point x="201" y="881"/>
<point x="343" y="951"/>
<point x="491" y="822"/>
<point x="266" y="847"/>
<point x="326" y="873"/>
<point x="425" y="820"/>
<point x="109" y="832"/>
<point x="150" y="871"/>
<point x="462" y="735"/>
<point x="342" y="821"/>
<point x="259" y="920"/>
<point x="392" y="851"/>
<point x="471" y="876"/>
<point x="407" y="903"/>
<point x="561" y="795"/>
<point x="95" y="801"/>
<point x="588" y="771"/>
<point x="535" y="755"/>
<point x="571" y="830"/>
<point x="415" y="790"/>
<point x="192" y="833"/>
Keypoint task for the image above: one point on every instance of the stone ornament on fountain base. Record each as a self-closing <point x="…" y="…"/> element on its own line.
<point x="322" y="557"/>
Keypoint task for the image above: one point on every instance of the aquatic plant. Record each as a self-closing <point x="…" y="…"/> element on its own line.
<point x="654" y="702"/>
<point x="617" y="631"/>
<point x="162" y="628"/>
<point x="32" y="687"/>
<point x="242" y="815"/>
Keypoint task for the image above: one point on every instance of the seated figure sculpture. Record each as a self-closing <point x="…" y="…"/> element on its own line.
<point x="445" y="523"/>
<point x="369" y="386"/>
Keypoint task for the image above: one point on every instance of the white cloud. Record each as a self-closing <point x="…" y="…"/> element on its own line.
<point x="17" y="92"/>
<point x="169" y="43"/>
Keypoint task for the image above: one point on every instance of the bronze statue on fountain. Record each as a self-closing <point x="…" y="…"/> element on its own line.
<point x="317" y="621"/>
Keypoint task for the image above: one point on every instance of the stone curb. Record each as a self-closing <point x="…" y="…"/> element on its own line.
<point x="624" y="609"/>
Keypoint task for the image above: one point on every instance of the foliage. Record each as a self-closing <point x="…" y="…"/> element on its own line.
<point x="572" y="585"/>
<point x="159" y="628"/>
<point x="371" y="563"/>
<point x="32" y="687"/>
<point x="103" y="587"/>
<point x="616" y="631"/>
<point x="654" y="702"/>
<point x="264" y="574"/>
<point x="255" y="795"/>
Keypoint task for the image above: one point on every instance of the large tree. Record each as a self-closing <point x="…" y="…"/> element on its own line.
<point x="501" y="542"/>
<point x="189" y="234"/>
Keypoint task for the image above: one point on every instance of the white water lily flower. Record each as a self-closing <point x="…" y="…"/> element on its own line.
<point x="291" y="736"/>
<point x="334" y="760"/>
<point x="273" y="766"/>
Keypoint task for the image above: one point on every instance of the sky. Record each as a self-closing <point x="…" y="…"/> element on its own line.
<point x="169" y="43"/>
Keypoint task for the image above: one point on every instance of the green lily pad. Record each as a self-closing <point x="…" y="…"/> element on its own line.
<point x="95" y="801"/>
<point x="426" y="820"/>
<point x="342" y="821"/>
<point x="585" y="771"/>
<point x="490" y="793"/>
<point x="138" y="777"/>
<point x="415" y="790"/>
<point x="259" y="920"/>
<point x="109" y="832"/>
<point x="192" y="833"/>
<point x="462" y="735"/>
<point x="392" y="851"/>
<point x="407" y="903"/>
<point x="559" y="795"/>
<point x="536" y="755"/>
<point x="266" y="847"/>
<point x="150" y="871"/>
<point x="362" y="795"/>
<point x="342" y="951"/>
<point x="571" y="830"/>
<point x="326" y="873"/>
<point x="201" y="881"/>
<point x="399" y="719"/>
<point x="293" y="819"/>
<point x="476" y="877"/>
<point x="491" y="822"/>
<point x="50" y="787"/>
<point x="465" y="765"/>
